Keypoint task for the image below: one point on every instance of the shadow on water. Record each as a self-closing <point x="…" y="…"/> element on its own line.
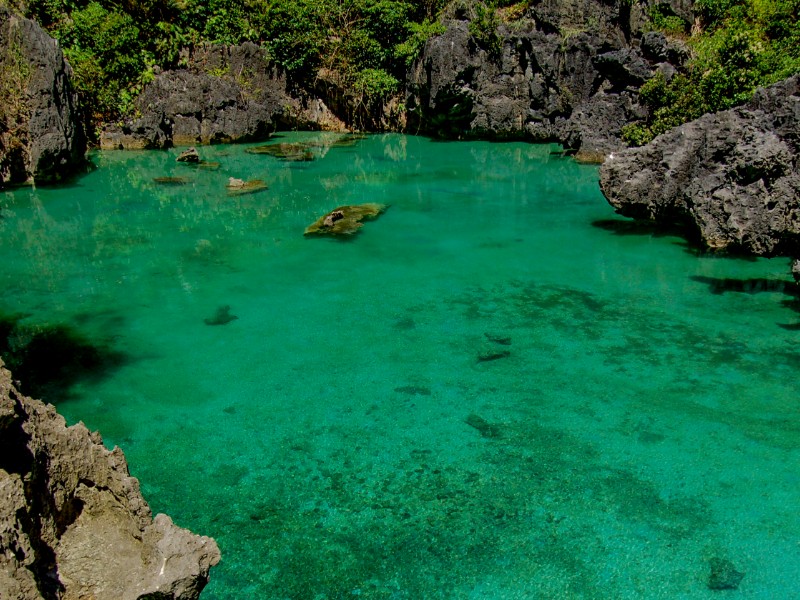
<point x="718" y="286"/>
<point x="630" y="227"/>
<point x="690" y="242"/>
<point x="48" y="359"/>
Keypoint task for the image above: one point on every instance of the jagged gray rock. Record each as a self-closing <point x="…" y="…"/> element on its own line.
<point x="73" y="523"/>
<point x="556" y="78"/>
<point x="731" y="177"/>
<point x="226" y="94"/>
<point x="568" y="71"/>
<point x="41" y="136"/>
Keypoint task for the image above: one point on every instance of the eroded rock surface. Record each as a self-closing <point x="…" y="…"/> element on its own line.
<point x="567" y="71"/>
<point x="73" y="523"/>
<point x="41" y="137"/>
<point x="731" y="177"/>
<point x="226" y="94"/>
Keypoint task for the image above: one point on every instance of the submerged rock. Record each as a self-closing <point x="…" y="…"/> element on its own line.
<point x="486" y="429"/>
<point x="503" y="340"/>
<point x="73" y="523"/>
<point x="171" y="180"/>
<point x="724" y="575"/>
<point x="490" y="355"/>
<point x="345" y="220"/>
<point x="290" y="152"/>
<point x="239" y="187"/>
<point x="49" y="358"/>
<point x="223" y="316"/>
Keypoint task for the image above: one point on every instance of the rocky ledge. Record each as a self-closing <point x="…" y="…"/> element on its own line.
<point x="73" y="523"/>
<point x="730" y="178"/>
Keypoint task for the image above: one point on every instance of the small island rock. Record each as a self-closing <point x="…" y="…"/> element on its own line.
<point x="345" y="220"/>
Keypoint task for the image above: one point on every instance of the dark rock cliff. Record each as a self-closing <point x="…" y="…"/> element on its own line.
<point x="73" y="523"/>
<point x="569" y="71"/>
<point x="226" y="94"/>
<point x="41" y="138"/>
<point x="731" y="177"/>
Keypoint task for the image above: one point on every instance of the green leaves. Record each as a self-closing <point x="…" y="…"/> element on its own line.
<point x="409" y="50"/>
<point x="745" y="44"/>
<point x="115" y="45"/>
<point x="483" y="28"/>
<point x="375" y="83"/>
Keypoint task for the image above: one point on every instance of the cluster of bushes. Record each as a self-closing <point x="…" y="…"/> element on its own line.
<point x="738" y="45"/>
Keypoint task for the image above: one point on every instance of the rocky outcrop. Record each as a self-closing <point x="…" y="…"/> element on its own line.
<point x="226" y="94"/>
<point x="41" y="138"/>
<point x="567" y="72"/>
<point x="73" y="523"/>
<point x="731" y="177"/>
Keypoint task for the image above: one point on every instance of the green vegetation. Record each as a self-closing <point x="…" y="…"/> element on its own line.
<point x="114" y="46"/>
<point x="15" y="74"/>
<point x="363" y="47"/>
<point x="737" y="46"/>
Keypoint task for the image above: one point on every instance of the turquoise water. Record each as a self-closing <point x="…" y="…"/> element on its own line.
<point x="496" y="390"/>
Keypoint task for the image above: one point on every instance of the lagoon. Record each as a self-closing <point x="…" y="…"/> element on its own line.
<point x="498" y="389"/>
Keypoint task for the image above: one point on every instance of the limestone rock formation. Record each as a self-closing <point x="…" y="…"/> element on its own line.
<point x="41" y="137"/>
<point x="568" y="72"/>
<point x="731" y="177"/>
<point x="73" y="523"/>
<point x="226" y="94"/>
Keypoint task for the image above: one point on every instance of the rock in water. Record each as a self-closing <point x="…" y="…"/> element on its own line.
<point x="239" y="187"/>
<point x="724" y="575"/>
<point x="190" y="155"/>
<point x="223" y="316"/>
<point x="41" y="136"/>
<point x="731" y="178"/>
<point x="345" y="220"/>
<point x="73" y="523"/>
<point x="486" y="429"/>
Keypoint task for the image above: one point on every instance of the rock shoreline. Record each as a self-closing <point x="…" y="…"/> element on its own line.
<point x="73" y="523"/>
<point x="730" y="179"/>
<point x="567" y="73"/>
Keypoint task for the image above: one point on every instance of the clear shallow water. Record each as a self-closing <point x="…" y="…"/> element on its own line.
<point x="342" y="438"/>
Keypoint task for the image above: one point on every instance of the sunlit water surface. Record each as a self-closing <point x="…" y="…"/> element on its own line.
<point x="497" y="390"/>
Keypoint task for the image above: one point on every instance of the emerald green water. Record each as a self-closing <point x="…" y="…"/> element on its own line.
<point x="342" y="437"/>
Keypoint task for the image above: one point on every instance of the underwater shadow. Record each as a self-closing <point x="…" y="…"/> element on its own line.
<point x="630" y="227"/>
<point x="689" y="239"/>
<point x="721" y="285"/>
<point x="47" y="360"/>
